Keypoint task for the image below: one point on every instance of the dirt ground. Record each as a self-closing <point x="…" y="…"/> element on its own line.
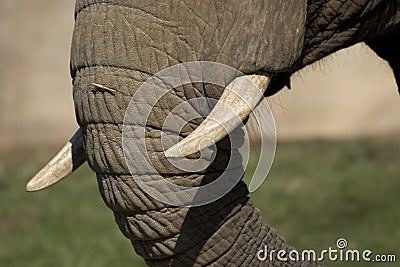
<point x="350" y="94"/>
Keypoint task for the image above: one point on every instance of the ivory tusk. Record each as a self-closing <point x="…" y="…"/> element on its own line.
<point x="70" y="157"/>
<point x="236" y="102"/>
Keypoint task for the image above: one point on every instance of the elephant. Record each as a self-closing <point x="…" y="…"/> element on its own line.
<point x="119" y="44"/>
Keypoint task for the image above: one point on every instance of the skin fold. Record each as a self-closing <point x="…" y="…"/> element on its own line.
<point x="121" y="43"/>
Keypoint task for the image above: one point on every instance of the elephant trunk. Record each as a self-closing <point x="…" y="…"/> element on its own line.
<point x="119" y="45"/>
<point x="228" y="231"/>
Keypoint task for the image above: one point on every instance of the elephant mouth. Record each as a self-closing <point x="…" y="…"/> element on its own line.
<point x="220" y="122"/>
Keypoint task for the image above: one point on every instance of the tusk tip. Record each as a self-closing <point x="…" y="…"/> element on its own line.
<point x="29" y="187"/>
<point x="39" y="182"/>
<point x="33" y="186"/>
<point x="173" y="152"/>
<point x="187" y="147"/>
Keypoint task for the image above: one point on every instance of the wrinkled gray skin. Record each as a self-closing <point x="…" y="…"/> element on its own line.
<point x="120" y="43"/>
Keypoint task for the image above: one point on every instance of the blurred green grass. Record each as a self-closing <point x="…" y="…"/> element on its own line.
<point x="316" y="192"/>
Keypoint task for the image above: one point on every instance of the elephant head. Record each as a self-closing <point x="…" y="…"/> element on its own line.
<point x="119" y="44"/>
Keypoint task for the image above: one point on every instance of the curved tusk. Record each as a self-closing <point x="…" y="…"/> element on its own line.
<point x="70" y="158"/>
<point x="237" y="101"/>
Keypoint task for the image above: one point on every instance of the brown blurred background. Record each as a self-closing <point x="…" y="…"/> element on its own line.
<point x="350" y="94"/>
<point x="36" y="107"/>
